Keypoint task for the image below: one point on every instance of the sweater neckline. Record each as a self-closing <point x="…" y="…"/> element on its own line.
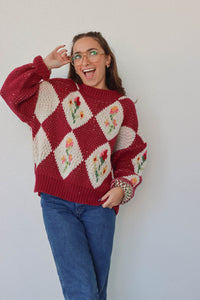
<point x="98" y="93"/>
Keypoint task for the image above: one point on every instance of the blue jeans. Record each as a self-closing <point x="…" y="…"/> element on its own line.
<point x="81" y="240"/>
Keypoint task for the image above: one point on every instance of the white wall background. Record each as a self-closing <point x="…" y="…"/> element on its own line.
<point x="157" y="242"/>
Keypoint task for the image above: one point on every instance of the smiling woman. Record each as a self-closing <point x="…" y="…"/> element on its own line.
<point x="98" y="43"/>
<point x="91" y="71"/>
<point x="92" y="57"/>
<point x="88" y="155"/>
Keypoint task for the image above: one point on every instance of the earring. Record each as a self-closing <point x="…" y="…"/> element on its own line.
<point x="108" y="66"/>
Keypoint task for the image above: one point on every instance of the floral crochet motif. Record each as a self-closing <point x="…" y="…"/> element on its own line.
<point x="99" y="164"/>
<point x="140" y="162"/>
<point x="74" y="109"/>
<point x="67" y="159"/>
<point x="113" y="123"/>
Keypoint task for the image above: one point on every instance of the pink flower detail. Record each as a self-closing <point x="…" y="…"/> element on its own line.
<point x="106" y="123"/>
<point x="77" y="101"/>
<point x="63" y="159"/>
<point x="99" y="163"/>
<point x="114" y="109"/>
<point x="114" y="123"/>
<point x="69" y="143"/>
<point x="68" y="158"/>
<point x="104" y="154"/>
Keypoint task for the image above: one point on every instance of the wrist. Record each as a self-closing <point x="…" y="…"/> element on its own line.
<point x="126" y="186"/>
<point x="47" y="64"/>
<point x="41" y="68"/>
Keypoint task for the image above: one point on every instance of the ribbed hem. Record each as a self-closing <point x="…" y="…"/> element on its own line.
<point x="66" y="191"/>
<point x="40" y="68"/>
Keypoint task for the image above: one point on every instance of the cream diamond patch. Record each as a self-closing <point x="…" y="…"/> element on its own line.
<point x="41" y="147"/>
<point x="139" y="162"/>
<point x="125" y="138"/>
<point x="110" y="120"/>
<point x="68" y="155"/>
<point x="47" y="101"/>
<point x="98" y="165"/>
<point x="76" y="110"/>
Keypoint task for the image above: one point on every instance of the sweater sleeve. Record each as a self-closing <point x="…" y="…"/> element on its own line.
<point x="130" y="153"/>
<point x="21" y="87"/>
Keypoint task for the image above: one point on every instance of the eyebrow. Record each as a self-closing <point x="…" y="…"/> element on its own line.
<point x="86" y="50"/>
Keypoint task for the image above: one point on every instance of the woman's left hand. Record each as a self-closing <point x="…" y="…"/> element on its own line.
<point x="114" y="197"/>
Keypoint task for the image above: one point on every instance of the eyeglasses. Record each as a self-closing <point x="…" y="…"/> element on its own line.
<point x="92" y="55"/>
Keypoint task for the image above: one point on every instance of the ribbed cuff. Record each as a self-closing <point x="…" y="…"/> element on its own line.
<point x="126" y="186"/>
<point x="40" y="68"/>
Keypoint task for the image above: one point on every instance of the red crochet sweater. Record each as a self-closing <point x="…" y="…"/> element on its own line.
<point x="85" y="140"/>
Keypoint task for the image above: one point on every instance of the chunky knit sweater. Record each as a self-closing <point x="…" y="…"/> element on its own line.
<point x="85" y="140"/>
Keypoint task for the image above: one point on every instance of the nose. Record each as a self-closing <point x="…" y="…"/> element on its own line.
<point x="85" y="60"/>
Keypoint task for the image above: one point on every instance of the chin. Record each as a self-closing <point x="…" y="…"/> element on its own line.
<point x="92" y="84"/>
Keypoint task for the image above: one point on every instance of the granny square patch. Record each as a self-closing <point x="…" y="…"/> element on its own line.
<point x="139" y="162"/>
<point x="76" y="110"/>
<point x="68" y="155"/>
<point x="98" y="165"/>
<point x="110" y="120"/>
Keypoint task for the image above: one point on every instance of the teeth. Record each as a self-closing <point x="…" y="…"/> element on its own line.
<point x="89" y="70"/>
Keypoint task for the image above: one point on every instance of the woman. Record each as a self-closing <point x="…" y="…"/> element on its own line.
<point x="88" y="155"/>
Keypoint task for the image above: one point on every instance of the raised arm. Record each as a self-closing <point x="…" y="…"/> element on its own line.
<point x="21" y="87"/>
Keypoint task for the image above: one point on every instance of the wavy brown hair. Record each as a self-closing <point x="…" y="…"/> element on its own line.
<point x="113" y="81"/>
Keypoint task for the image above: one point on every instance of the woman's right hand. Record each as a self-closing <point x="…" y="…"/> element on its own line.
<point x="57" y="59"/>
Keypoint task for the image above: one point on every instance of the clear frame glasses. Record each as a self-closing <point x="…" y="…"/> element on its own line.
<point x="92" y="55"/>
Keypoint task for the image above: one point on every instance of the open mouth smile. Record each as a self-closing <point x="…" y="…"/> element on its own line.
<point x="89" y="73"/>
